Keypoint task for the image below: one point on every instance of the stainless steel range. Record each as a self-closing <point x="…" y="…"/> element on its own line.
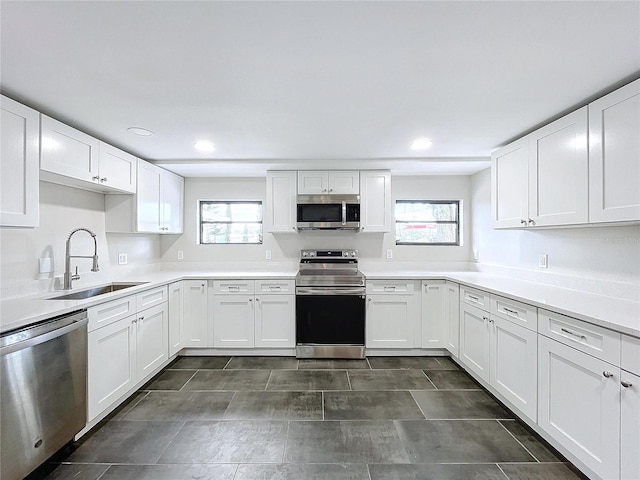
<point x="330" y="305"/>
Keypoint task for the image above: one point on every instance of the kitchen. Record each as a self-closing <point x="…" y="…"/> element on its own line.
<point x="269" y="105"/>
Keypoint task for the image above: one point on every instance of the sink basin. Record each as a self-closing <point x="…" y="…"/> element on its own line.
<point x="94" y="292"/>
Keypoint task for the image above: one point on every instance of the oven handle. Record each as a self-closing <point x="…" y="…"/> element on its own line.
<point x="330" y="291"/>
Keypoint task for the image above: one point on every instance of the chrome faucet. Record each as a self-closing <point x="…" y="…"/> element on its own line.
<point x="68" y="277"/>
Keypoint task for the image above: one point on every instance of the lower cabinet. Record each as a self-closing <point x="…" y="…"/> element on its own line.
<point x="176" y="319"/>
<point x="629" y="426"/>
<point x="434" y="321"/>
<point x="391" y="321"/>
<point x="474" y="340"/>
<point x="274" y="321"/>
<point x="452" y="314"/>
<point x="123" y="353"/>
<point x="233" y="317"/>
<point x="579" y="406"/>
<point x="195" y="314"/>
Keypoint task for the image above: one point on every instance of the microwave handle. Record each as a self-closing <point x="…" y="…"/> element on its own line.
<point x="344" y="213"/>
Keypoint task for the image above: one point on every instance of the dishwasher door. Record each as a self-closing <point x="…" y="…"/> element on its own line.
<point x="43" y="391"/>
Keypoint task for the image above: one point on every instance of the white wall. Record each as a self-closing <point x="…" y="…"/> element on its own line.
<point x="63" y="209"/>
<point x="285" y="248"/>
<point x="603" y="260"/>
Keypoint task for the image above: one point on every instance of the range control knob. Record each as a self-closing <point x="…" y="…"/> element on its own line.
<point x="345" y="254"/>
<point x="353" y="254"/>
<point x="305" y="254"/>
<point x="312" y="254"/>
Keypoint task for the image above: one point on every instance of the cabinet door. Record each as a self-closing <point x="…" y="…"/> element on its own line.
<point x="112" y="364"/>
<point x="629" y="427"/>
<point x="148" y="198"/>
<point x="344" y="182"/>
<point x="118" y="169"/>
<point x="509" y="185"/>
<point x="280" y="208"/>
<point x="275" y="321"/>
<point x="176" y="325"/>
<point x="452" y="313"/>
<point x="614" y="156"/>
<point x="20" y="165"/>
<point x="579" y="405"/>
<point x="514" y="364"/>
<point x="558" y="172"/>
<point x="67" y="151"/>
<point x="312" y="182"/>
<point x="152" y="347"/>
<point x="195" y="318"/>
<point x="434" y="322"/>
<point x="391" y="321"/>
<point x="375" y="201"/>
<point x="233" y="321"/>
<point x="474" y="340"/>
<point x="172" y="201"/>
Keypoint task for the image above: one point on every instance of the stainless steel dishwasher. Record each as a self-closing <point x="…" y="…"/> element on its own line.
<point x="43" y="391"/>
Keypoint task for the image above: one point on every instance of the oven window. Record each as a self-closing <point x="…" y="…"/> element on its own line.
<point x="230" y="222"/>
<point x="427" y="222"/>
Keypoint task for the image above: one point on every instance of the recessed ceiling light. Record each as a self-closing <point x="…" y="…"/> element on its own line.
<point x="204" y="146"/>
<point x="421" y="144"/>
<point x="143" y="132"/>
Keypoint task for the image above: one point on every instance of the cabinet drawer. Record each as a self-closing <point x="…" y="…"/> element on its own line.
<point x="275" y="286"/>
<point x="474" y="297"/>
<point x="597" y="341"/>
<point x="109" y="312"/>
<point x="152" y="297"/>
<point x="516" y="312"/>
<point x="233" y="286"/>
<point x="630" y="354"/>
<point x="390" y="286"/>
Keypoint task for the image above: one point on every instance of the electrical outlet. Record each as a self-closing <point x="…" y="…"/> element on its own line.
<point x="543" y="260"/>
<point x="389" y="253"/>
<point x="180" y="255"/>
<point x="46" y="265"/>
<point x="267" y="254"/>
<point x="122" y="259"/>
<point x="476" y="254"/>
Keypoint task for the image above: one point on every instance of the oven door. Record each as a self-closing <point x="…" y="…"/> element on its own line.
<point x="329" y="324"/>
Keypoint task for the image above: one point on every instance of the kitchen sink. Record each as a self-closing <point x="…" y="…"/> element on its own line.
<point x="94" y="292"/>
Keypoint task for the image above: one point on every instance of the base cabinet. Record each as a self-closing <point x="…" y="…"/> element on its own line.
<point x="452" y="315"/>
<point x="474" y="340"/>
<point x="579" y="405"/>
<point x="195" y="314"/>
<point x="176" y="318"/>
<point x="233" y="319"/>
<point x="391" y="321"/>
<point x="274" y="325"/>
<point x="434" y="321"/>
<point x="629" y="426"/>
<point x="152" y="342"/>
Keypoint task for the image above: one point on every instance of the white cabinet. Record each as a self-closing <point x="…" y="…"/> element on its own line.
<point x="376" y="213"/>
<point x="245" y="320"/>
<point x="392" y="314"/>
<point x="157" y="206"/>
<point x="280" y="208"/>
<point x="542" y="179"/>
<point x="434" y="320"/>
<point x="614" y="156"/>
<point x="152" y="342"/>
<point x="474" y="340"/>
<point x="452" y="314"/>
<point x="176" y="317"/>
<point x="336" y="182"/>
<point x="195" y="314"/>
<point x="20" y="165"/>
<point x="629" y="426"/>
<point x="579" y="405"/>
<point x="71" y="157"/>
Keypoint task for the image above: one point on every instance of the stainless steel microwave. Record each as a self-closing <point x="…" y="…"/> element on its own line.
<point x="328" y="212"/>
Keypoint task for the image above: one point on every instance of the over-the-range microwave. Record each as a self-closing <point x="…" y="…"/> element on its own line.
<point x="328" y="212"/>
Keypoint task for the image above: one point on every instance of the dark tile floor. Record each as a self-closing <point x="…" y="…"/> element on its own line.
<point x="250" y="418"/>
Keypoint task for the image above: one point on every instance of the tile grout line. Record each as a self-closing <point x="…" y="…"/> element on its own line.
<point x="416" y="402"/>
<point x="368" y="471"/>
<point x="430" y="381"/>
<point x="268" y="380"/>
<point x="103" y="473"/>
<point x="348" y="380"/>
<point x="322" y="393"/>
<point x="516" y="439"/>
<point x="286" y="442"/>
<point x="235" y="474"/>
<point x="228" y="362"/>
<point x="503" y="472"/>
<point x="185" y="383"/>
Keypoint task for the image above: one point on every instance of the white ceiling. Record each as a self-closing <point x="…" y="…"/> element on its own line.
<point x="314" y="84"/>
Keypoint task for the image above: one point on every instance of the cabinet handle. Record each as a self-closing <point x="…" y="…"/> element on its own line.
<point x="96" y="178"/>
<point x="324" y="189"/>
<point x="531" y="222"/>
<point x="626" y="384"/>
<point x="331" y="189"/>
<point x="135" y="320"/>
<point x="293" y="228"/>
<point x="523" y="222"/>
<point x="607" y="374"/>
<point x="257" y="300"/>
<point x="512" y="313"/>
<point x="103" y="179"/>
<point x="390" y="289"/>
<point x="485" y="318"/>
<point x="581" y="337"/>
<point x="472" y="298"/>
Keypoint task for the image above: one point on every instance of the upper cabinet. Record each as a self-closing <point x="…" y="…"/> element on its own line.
<point x="333" y="182"/>
<point x="280" y="208"/>
<point x="614" y="156"/>
<point x="71" y="157"/>
<point x="19" y="154"/>
<point x="541" y="179"/>
<point x="157" y="207"/>
<point x="375" y="201"/>
<point x="582" y="168"/>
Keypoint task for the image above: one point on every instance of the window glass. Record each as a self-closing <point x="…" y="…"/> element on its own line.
<point x="427" y="222"/>
<point x="230" y="222"/>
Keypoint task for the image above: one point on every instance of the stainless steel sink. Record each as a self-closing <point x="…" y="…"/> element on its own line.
<point x="94" y="292"/>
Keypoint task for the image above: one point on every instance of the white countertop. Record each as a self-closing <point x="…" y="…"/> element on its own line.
<point x="613" y="313"/>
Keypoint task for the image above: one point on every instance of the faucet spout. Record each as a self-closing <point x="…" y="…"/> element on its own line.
<point x="68" y="276"/>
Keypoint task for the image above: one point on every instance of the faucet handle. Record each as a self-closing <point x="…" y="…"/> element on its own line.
<point x="75" y="276"/>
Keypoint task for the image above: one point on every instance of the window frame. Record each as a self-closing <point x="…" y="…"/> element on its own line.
<point x="201" y="222"/>
<point x="442" y="222"/>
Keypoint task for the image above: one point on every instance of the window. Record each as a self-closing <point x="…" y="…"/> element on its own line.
<point x="230" y="222"/>
<point x="427" y="222"/>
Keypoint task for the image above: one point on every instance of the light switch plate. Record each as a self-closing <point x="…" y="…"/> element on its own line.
<point x="122" y="259"/>
<point x="389" y="253"/>
<point x="543" y="260"/>
<point x="180" y="255"/>
<point x="267" y="254"/>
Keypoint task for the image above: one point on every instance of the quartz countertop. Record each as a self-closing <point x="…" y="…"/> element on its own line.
<point x="609" y="312"/>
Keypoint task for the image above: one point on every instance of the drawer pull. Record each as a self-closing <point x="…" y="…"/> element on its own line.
<point x="390" y="289"/>
<point x="512" y="313"/>
<point x="472" y="298"/>
<point x="607" y="374"/>
<point x="581" y="337"/>
<point x="274" y="288"/>
<point x="235" y="288"/>
<point x="485" y="318"/>
<point x="626" y="384"/>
